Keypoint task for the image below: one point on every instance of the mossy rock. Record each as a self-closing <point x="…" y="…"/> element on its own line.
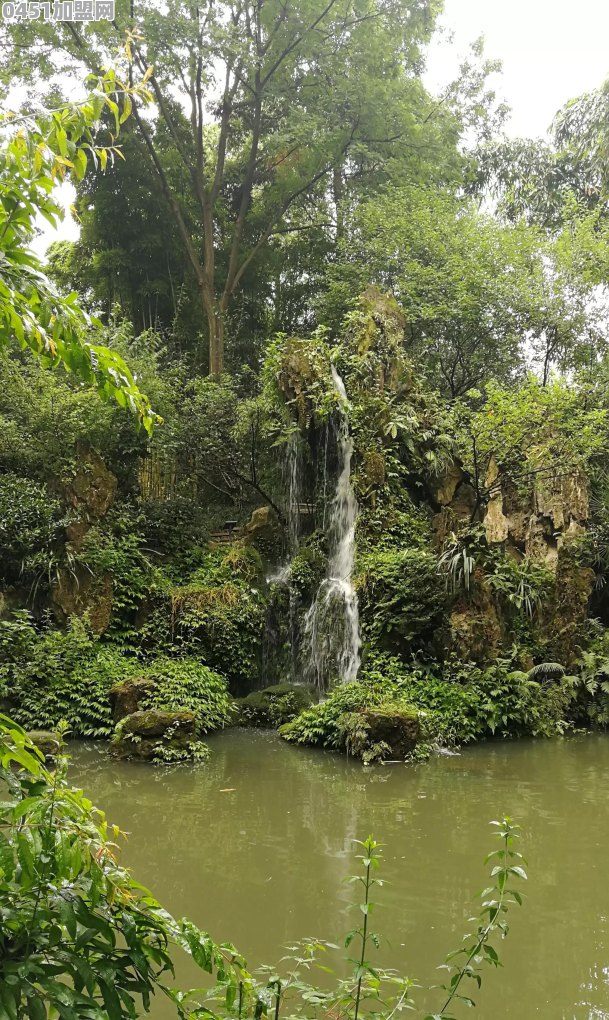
<point x="379" y="733"/>
<point x="48" y="742"/>
<point x="273" y="706"/>
<point x="397" y="727"/>
<point x="128" y="696"/>
<point x="149" y="735"/>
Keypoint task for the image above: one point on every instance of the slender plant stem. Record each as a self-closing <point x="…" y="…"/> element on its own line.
<point x="358" y="992"/>
<point x="482" y="938"/>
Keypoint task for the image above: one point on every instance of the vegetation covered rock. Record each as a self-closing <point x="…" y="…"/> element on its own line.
<point x="158" y="736"/>
<point x="48" y="742"/>
<point x="272" y="706"/>
<point x="369" y="721"/>
<point x="127" y="696"/>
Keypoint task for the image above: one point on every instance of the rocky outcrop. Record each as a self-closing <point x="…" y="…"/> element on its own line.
<point x="398" y="728"/>
<point x="127" y="697"/>
<point x="262" y="526"/>
<point x="78" y="593"/>
<point x="477" y="631"/>
<point x="147" y="735"/>
<point x="562" y="618"/>
<point x="496" y="524"/>
<point x="444" y="486"/>
<point x="539" y="523"/>
<point x="90" y="491"/>
<point x="90" y="494"/>
<point x="536" y="523"/>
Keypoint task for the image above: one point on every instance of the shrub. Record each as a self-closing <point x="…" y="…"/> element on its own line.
<point x="188" y="684"/>
<point x="30" y="526"/>
<point x="402" y="599"/>
<point x="460" y="702"/>
<point x="393" y="523"/>
<point x="220" y="614"/>
<point x="81" y="939"/>
<point x="457" y="703"/>
<point x="59" y="676"/>
<point x="118" y="552"/>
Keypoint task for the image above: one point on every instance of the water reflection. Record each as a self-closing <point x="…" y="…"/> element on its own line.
<point x="255" y="847"/>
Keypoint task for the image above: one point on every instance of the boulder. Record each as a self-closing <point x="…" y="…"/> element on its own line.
<point x="127" y="696"/>
<point x="155" y="722"/>
<point x="398" y="727"/>
<point x="48" y="742"/>
<point x="143" y="735"/>
<point x="273" y="706"/>
<point x="262" y="525"/>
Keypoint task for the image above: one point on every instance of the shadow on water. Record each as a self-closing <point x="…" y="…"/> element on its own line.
<point x="255" y="846"/>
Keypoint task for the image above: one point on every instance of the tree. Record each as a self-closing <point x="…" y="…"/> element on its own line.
<point x="539" y="180"/>
<point x="518" y="435"/>
<point x="36" y="153"/>
<point x="271" y="107"/>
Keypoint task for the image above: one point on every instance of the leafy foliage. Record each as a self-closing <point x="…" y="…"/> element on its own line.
<point x="30" y="526"/>
<point x="56" y="677"/>
<point x="401" y="599"/>
<point x="80" y="937"/>
<point x="188" y="684"/>
<point x="457" y="703"/>
<point x="220" y="614"/>
<point x="34" y="155"/>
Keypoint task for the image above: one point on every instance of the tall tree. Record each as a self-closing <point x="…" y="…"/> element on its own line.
<point x="270" y="105"/>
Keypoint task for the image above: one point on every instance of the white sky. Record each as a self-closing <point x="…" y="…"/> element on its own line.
<point x="551" y="50"/>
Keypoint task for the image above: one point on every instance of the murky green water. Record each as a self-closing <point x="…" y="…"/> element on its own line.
<point x="254" y="848"/>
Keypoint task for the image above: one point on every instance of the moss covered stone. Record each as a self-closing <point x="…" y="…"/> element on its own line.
<point x="47" y="742"/>
<point x="397" y="727"/>
<point x="273" y="706"/>
<point x="148" y="735"/>
<point x="128" y="696"/>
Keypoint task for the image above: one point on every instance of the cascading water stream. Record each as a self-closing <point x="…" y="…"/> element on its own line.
<point x="331" y="626"/>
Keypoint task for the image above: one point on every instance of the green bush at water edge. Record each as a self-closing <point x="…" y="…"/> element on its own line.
<point x="462" y="704"/>
<point x="53" y="677"/>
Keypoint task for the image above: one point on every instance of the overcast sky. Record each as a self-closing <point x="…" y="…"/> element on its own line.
<point x="551" y="50"/>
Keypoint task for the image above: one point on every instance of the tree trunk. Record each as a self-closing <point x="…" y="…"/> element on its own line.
<point x="215" y="329"/>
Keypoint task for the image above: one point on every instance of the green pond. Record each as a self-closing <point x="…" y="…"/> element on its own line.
<point x="255" y="846"/>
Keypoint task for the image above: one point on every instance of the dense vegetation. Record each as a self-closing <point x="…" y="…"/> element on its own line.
<point x="290" y="299"/>
<point x="234" y="267"/>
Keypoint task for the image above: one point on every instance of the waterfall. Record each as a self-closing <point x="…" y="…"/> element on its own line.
<point x="331" y="625"/>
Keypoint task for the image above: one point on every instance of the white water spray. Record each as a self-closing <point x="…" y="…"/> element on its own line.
<point x="331" y="626"/>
